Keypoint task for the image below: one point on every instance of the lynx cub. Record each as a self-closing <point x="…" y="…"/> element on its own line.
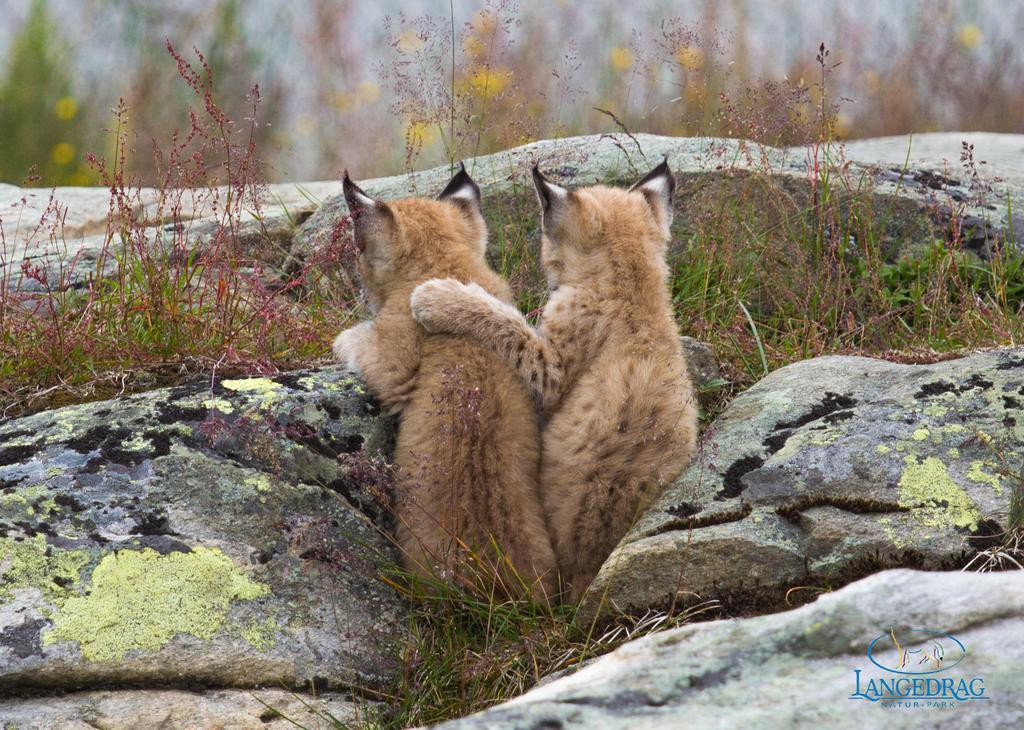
<point x="468" y="447"/>
<point x="605" y="365"/>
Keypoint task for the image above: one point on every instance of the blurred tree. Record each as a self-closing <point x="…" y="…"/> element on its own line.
<point x="40" y="119"/>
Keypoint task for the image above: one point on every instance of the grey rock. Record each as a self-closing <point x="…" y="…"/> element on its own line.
<point x="700" y="361"/>
<point x="825" y="471"/>
<point x="83" y="246"/>
<point x="797" y="669"/>
<point x="203" y="535"/>
<point x="933" y="185"/>
<point x="130" y="709"/>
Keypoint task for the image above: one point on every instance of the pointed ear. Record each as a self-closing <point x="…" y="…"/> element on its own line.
<point x="553" y="198"/>
<point x="462" y="191"/>
<point x="657" y="187"/>
<point x="370" y="217"/>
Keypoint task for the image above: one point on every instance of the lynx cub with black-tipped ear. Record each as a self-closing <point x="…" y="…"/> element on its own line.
<point x="606" y="363"/>
<point x="468" y="447"/>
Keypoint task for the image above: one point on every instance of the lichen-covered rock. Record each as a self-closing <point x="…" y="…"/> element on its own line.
<point x="181" y="710"/>
<point x="73" y="251"/>
<point x="912" y="194"/>
<point x="798" y="668"/>
<point x="197" y="536"/>
<point x="933" y="182"/>
<point x="827" y="470"/>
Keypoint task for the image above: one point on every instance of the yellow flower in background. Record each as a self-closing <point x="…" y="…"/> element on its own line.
<point x="472" y="46"/>
<point x="408" y="41"/>
<point x="421" y="133"/>
<point x="690" y="57"/>
<point x="489" y="82"/>
<point x="620" y="58"/>
<point x="693" y="94"/>
<point x="65" y="108"/>
<point x="368" y="92"/>
<point x="970" y="35"/>
<point x="81" y="178"/>
<point x="62" y="153"/>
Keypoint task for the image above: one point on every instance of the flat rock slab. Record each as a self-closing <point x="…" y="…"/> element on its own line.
<point x="130" y="710"/>
<point x="196" y="536"/>
<point x="797" y="669"/>
<point x="825" y="471"/>
<point x="933" y="180"/>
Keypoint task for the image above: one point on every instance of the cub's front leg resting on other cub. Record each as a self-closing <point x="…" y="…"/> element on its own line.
<point x="390" y="372"/>
<point x="451" y="307"/>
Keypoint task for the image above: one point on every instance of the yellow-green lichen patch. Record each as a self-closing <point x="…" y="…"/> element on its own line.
<point x="23" y="502"/>
<point x="264" y="386"/>
<point x="140" y="599"/>
<point x="823" y="438"/>
<point x="978" y="474"/>
<point x="219" y="404"/>
<point x="882" y="449"/>
<point x="953" y="428"/>
<point x="261" y="634"/>
<point x="355" y="385"/>
<point x="935" y="500"/>
<point x="32" y="563"/>
<point x="137" y="443"/>
<point x="261" y="484"/>
<point x="935" y="410"/>
<point x="898" y="534"/>
<point x="921" y="434"/>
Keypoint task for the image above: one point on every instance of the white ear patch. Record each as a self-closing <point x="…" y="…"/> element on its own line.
<point x="659" y="185"/>
<point x="551" y="196"/>
<point x="463" y="192"/>
<point x="462" y="189"/>
<point x="557" y="193"/>
<point x="360" y="199"/>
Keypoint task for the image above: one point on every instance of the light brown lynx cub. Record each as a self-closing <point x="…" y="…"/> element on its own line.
<point x="606" y="363"/>
<point x="468" y="447"/>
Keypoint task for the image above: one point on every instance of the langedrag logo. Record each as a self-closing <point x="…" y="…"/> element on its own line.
<point x="912" y="664"/>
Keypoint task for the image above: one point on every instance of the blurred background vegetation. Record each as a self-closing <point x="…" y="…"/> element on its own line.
<point x="385" y="86"/>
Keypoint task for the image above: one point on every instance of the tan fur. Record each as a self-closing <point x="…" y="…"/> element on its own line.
<point x="463" y="480"/>
<point x="606" y="366"/>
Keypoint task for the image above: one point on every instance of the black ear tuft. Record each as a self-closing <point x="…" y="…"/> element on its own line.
<point x="659" y="179"/>
<point x="368" y="215"/>
<point x="541" y="183"/>
<point x="657" y="187"/>
<point x="356" y="198"/>
<point x="549" y="194"/>
<point x="461" y="189"/>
